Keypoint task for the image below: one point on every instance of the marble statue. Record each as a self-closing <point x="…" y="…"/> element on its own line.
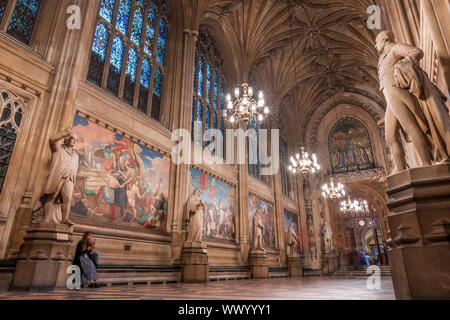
<point x="292" y="240"/>
<point x="310" y="225"/>
<point x="415" y="106"/>
<point x="194" y="215"/>
<point x="327" y="236"/>
<point x="60" y="180"/>
<point x="258" y="231"/>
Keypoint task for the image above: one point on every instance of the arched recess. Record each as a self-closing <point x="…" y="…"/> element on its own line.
<point x="21" y="153"/>
<point x="337" y="114"/>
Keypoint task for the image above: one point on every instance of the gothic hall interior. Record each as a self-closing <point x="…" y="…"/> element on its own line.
<point x="165" y="146"/>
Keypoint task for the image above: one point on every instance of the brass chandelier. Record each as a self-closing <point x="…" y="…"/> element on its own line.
<point x="333" y="191"/>
<point x="303" y="164"/>
<point x="245" y="107"/>
<point x="354" y="206"/>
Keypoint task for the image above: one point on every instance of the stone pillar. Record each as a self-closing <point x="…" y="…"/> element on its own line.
<point x="419" y="201"/>
<point x="295" y="265"/>
<point x="259" y="267"/>
<point x="195" y="262"/>
<point x="44" y="257"/>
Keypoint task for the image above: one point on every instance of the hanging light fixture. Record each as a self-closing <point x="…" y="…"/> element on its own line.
<point x="244" y="107"/>
<point x="333" y="191"/>
<point x="301" y="163"/>
<point x="354" y="206"/>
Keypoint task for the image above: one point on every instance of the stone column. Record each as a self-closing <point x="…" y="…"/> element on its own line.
<point x="419" y="201"/>
<point x="44" y="256"/>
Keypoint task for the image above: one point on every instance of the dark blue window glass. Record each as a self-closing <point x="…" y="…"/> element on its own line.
<point x="115" y="65"/>
<point x="201" y="68"/>
<point x="3" y="4"/>
<point x="23" y="19"/>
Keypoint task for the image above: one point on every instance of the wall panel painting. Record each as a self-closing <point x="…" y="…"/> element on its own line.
<point x="267" y="215"/>
<point x="219" y="197"/>
<point x="350" y="147"/>
<point x="119" y="182"/>
<point x="289" y="218"/>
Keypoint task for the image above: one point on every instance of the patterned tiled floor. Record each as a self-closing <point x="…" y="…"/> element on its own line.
<point x="268" y="289"/>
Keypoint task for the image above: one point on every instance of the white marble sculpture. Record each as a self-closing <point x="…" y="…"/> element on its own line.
<point x="60" y="180"/>
<point x="327" y="236"/>
<point x="292" y="240"/>
<point x="194" y="215"/>
<point x="415" y="106"/>
<point x="258" y="230"/>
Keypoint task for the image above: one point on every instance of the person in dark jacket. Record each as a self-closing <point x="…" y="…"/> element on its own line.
<point x="86" y="258"/>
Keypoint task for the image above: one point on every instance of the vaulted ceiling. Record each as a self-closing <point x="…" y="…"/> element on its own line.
<point x="300" y="52"/>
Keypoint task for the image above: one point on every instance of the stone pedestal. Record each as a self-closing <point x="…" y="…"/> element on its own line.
<point x="295" y="266"/>
<point x="258" y="264"/>
<point x="419" y="201"/>
<point x="43" y="258"/>
<point x="194" y="257"/>
<point x="329" y="262"/>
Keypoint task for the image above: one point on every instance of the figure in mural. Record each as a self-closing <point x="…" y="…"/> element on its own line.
<point x="61" y="177"/>
<point x="362" y="154"/>
<point x="415" y="106"/>
<point x="194" y="215"/>
<point x="327" y="236"/>
<point x="351" y="159"/>
<point x="258" y="231"/>
<point x="292" y="240"/>
<point x="340" y="159"/>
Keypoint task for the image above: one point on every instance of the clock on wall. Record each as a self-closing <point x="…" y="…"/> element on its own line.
<point x="362" y="223"/>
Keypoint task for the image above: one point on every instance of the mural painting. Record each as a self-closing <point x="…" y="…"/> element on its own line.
<point x="219" y="197"/>
<point x="350" y="147"/>
<point x="267" y="216"/>
<point x="288" y="218"/>
<point x="119" y="181"/>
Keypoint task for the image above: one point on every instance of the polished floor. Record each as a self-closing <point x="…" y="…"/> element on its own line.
<point x="315" y="288"/>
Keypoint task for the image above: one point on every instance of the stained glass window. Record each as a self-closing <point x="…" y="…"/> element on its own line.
<point x="107" y="9"/>
<point x="130" y="78"/>
<point x="138" y="21"/>
<point x="284" y="163"/>
<point x="162" y="42"/>
<point x="124" y="50"/>
<point x="99" y="47"/>
<point x="123" y="15"/>
<point x="115" y="65"/>
<point x="150" y="35"/>
<point x="100" y="41"/>
<point x="208" y="83"/>
<point x="23" y="19"/>
<point x="253" y="155"/>
<point x="11" y="113"/>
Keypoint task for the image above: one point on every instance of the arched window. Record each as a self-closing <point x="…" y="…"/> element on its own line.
<point x="254" y="144"/>
<point x="11" y="113"/>
<point x="209" y="86"/>
<point x="128" y="52"/>
<point x="285" y="179"/>
<point x="22" y="17"/>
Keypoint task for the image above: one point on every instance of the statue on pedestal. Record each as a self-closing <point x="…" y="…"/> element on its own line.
<point x="258" y="230"/>
<point x="327" y="236"/>
<point x="194" y="215"/>
<point x="292" y="240"/>
<point x="415" y="106"/>
<point x="60" y="179"/>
